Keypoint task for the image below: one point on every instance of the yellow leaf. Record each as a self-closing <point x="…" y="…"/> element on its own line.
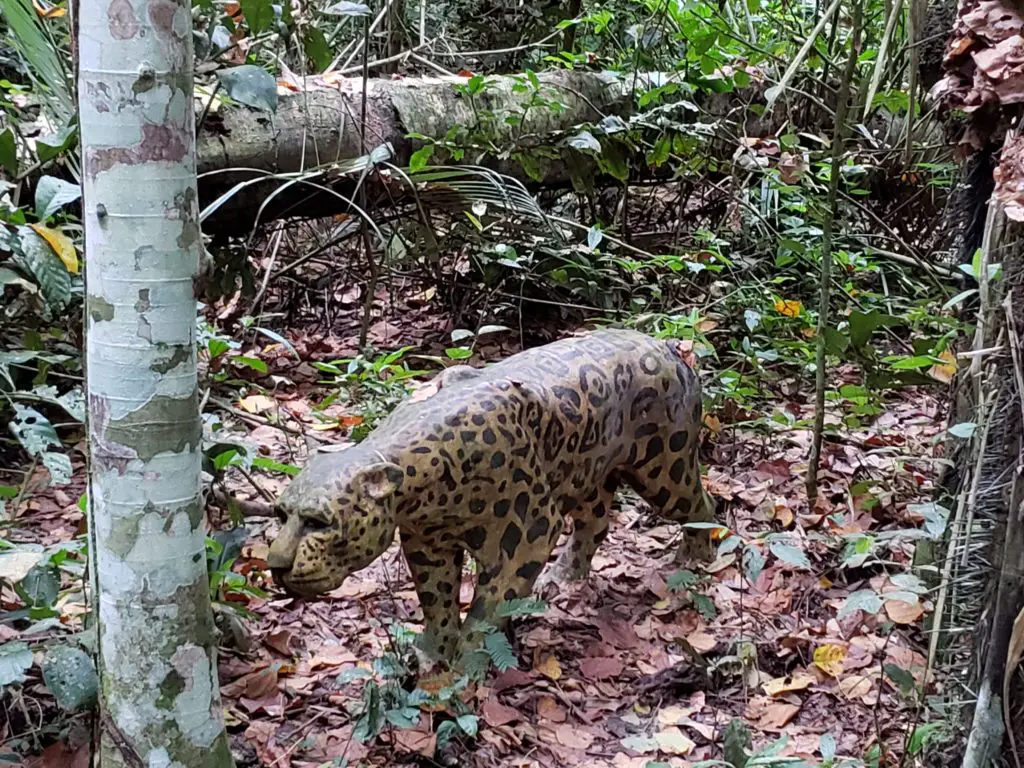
<point x="945" y="371"/>
<point x="61" y="245"/>
<point x="795" y="682"/>
<point x="829" y="658"/>
<point x="257" y="403"/>
<point x="788" y="307"/>
<point x="325" y="427"/>
<point x="549" y="667"/>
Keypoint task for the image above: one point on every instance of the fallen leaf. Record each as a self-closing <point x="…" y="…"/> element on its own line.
<point x="15" y="565"/>
<point x="572" y="736"/>
<point x="549" y="667"/>
<point x="829" y="658"/>
<point x="600" y="667"/>
<point x="280" y="641"/>
<point x="778" y="714"/>
<point x="903" y="612"/>
<point x="795" y="682"/>
<point x="702" y="642"/>
<point x="333" y="655"/>
<point x="549" y="709"/>
<point x="257" y="403"/>
<point x="415" y="741"/>
<point x="496" y="714"/>
<point x="856" y="686"/>
<point x="673" y="741"/>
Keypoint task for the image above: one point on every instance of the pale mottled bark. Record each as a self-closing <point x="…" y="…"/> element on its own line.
<point x="159" y="695"/>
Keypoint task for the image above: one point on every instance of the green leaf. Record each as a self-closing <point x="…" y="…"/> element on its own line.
<point x="922" y="735"/>
<point x="863" y="325"/>
<point x="318" y="51"/>
<point x="836" y="342"/>
<point x="468" y="724"/>
<point x="914" y="363"/>
<point x="900" y="676"/>
<point x="33" y="430"/>
<point x="49" y="147"/>
<point x="935" y="517"/>
<point x="500" y="651"/>
<point x="59" y="467"/>
<point x="681" y="580"/>
<point x="421" y="157"/>
<point x="959" y="298"/>
<point x="38" y="258"/>
<point x="71" y="677"/>
<point x="259" y="15"/>
<point x="963" y="430"/>
<point x="217" y="347"/>
<point x="40" y="586"/>
<point x="863" y="600"/>
<point x="251" y="362"/>
<point x="827" y="746"/>
<point x="15" y="658"/>
<point x="790" y="555"/>
<point x="249" y="84"/>
<point x="269" y="465"/>
<point x="705" y="605"/>
<point x="459" y="353"/>
<point x="735" y="742"/>
<point x="753" y="562"/>
<point x="8" y="152"/>
<point x="52" y="194"/>
<point x="585" y="142"/>
<point x="519" y="607"/>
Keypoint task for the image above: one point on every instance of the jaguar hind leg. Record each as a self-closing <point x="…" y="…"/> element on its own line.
<point x="590" y="528"/>
<point x="669" y="480"/>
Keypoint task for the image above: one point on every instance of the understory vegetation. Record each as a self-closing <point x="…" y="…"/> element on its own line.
<point x="711" y="199"/>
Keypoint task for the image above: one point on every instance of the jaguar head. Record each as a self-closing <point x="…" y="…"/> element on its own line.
<point x="338" y="517"/>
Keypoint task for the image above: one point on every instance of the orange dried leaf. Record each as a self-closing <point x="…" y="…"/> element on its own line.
<point x="788" y="307"/>
<point x="945" y="371"/>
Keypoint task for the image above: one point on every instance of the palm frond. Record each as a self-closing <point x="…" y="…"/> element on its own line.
<point x="32" y="41"/>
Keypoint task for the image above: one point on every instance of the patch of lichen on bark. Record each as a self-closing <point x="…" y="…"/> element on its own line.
<point x="99" y="309"/>
<point x="163" y="424"/>
<point x="179" y="355"/>
<point x="124" y="532"/>
<point x="172" y="684"/>
<point x="194" y="621"/>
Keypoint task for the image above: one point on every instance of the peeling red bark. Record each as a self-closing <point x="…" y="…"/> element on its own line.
<point x="123" y="23"/>
<point x="160" y="143"/>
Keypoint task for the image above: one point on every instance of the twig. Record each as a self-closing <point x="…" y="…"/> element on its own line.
<point x="838" y="142"/>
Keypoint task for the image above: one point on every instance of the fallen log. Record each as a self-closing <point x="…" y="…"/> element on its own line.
<point x="326" y="126"/>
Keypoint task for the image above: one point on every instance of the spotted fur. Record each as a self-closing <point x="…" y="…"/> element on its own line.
<point x="490" y="464"/>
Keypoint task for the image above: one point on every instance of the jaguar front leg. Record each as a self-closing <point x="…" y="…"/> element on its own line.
<point x="437" y="578"/>
<point x="509" y="570"/>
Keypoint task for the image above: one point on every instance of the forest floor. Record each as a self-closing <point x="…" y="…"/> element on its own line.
<point x="606" y="674"/>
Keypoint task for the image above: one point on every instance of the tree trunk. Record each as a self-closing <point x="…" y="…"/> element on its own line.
<point x="160" y="703"/>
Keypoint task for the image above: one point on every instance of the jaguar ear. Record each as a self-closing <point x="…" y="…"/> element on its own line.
<point x="378" y="481"/>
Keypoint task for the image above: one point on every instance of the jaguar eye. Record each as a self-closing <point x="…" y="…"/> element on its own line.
<point x="314" y="524"/>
